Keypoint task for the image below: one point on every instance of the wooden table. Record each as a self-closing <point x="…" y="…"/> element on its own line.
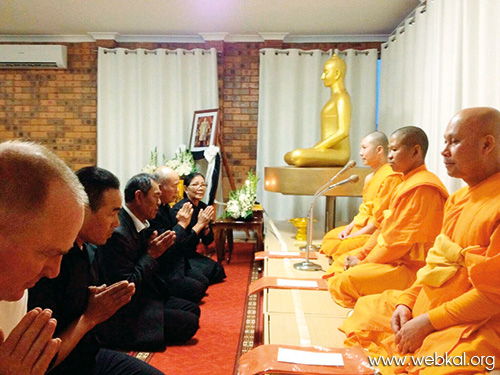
<point x="223" y="229"/>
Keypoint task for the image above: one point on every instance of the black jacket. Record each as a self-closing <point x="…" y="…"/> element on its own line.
<point x="139" y="325"/>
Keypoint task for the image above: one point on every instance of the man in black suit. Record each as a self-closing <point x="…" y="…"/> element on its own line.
<point x="153" y="318"/>
<point x="76" y="301"/>
<point x="182" y="280"/>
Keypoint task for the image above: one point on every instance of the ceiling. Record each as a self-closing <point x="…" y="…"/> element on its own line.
<point x="321" y="20"/>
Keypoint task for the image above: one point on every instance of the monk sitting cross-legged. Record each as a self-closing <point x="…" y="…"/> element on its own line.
<point x="408" y="230"/>
<point x="377" y="192"/>
<point x="453" y="308"/>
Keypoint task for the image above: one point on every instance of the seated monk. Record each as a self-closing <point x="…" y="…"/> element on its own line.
<point x="454" y="306"/>
<point x="333" y="149"/>
<point x="377" y="193"/>
<point x="408" y="230"/>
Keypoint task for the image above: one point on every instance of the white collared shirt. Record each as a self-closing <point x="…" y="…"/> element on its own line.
<point x="11" y="313"/>
<point x="139" y="225"/>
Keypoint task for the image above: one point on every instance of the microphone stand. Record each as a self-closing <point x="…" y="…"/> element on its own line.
<point x="307" y="265"/>
<point x="350" y="164"/>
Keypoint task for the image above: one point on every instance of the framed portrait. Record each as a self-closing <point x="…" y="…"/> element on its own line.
<point x="204" y="129"/>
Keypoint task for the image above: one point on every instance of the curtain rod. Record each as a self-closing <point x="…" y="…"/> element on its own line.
<point x="155" y="52"/>
<point x="287" y="52"/>
<point x="401" y="27"/>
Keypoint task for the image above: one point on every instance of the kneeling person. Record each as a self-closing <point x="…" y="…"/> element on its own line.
<point x="153" y="318"/>
<point x="182" y="280"/>
<point x="77" y="303"/>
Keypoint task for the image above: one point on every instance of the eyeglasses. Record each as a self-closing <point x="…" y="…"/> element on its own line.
<point x="196" y="186"/>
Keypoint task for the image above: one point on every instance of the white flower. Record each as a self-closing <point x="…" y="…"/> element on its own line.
<point x="182" y="162"/>
<point x="149" y="168"/>
<point x="241" y="201"/>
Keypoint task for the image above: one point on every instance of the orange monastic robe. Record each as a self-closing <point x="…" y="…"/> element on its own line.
<point x="377" y="193"/>
<point x="411" y="224"/>
<point x="465" y="310"/>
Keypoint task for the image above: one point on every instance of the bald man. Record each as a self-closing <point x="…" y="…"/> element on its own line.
<point x="41" y="212"/>
<point x="411" y="224"/>
<point x="182" y="280"/>
<point x="377" y="192"/>
<point x="454" y="305"/>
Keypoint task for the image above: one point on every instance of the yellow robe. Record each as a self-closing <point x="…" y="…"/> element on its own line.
<point x="465" y="310"/>
<point x="377" y="193"/>
<point x="410" y="226"/>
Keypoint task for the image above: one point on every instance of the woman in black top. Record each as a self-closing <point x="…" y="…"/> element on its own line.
<point x="199" y="228"/>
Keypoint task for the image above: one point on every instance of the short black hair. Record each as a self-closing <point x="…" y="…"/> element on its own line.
<point x="190" y="177"/>
<point x="96" y="181"/>
<point x="411" y="136"/>
<point x="142" y="182"/>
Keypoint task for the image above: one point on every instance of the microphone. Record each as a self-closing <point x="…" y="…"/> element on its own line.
<point x="351" y="179"/>
<point x="350" y="164"/>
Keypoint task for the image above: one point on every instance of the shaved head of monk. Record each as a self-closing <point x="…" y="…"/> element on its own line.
<point x="374" y="149"/>
<point x="472" y="144"/>
<point x="378" y="139"/>
<point x="407" y="149"/>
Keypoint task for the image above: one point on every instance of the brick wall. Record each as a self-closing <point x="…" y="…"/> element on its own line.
<point x="58" y="108"/>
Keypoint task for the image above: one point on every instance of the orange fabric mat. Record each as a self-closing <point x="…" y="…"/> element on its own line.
<point x="264" y="360"/>
<point x="286" y="283"/>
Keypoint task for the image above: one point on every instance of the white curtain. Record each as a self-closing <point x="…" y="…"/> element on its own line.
<point x="146" y="99"/>
<point x="444" y="59"/>
<point x="291" y="96"/>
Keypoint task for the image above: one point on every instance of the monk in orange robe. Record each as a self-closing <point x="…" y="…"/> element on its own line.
<point x="453" y="309"/>
<point x="377" y="192"/>
<point x="410" y="226"/>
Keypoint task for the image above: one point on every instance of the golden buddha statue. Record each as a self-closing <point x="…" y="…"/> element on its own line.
<point x="334" y="148"/>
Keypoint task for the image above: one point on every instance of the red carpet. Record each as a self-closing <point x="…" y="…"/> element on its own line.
<point x="213" y="349"/>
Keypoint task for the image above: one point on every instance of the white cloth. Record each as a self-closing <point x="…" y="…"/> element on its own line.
<point x="210" y="155"/>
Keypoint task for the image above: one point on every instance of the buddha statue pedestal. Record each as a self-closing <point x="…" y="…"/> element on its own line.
<point x="305" y="181"/>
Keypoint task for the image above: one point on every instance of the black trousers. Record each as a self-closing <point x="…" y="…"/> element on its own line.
<point x="181" y="320"/>
<point x="208" y="267"/>
<point x="110" y="362"/>
<point x="191" y="287"/>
